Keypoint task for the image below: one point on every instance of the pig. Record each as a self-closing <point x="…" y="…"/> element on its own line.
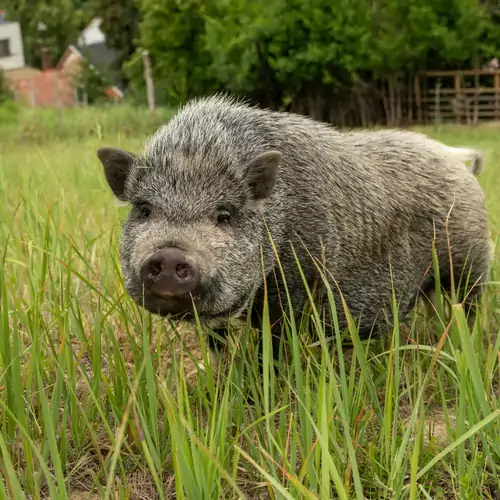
<point x="468" y="154"/>
<point x="227" y="200"/>
<point x="461" y="154"/>
<point x="367" y="139"/>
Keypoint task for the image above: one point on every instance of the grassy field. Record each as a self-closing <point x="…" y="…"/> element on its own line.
<point x="98" y="399"/>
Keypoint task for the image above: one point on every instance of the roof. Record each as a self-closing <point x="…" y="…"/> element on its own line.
<point x="117" y="88"/>
<point x="71" y="49"/>
<point x="98" y="54"/>
<point x="20" y="73"/>
<point x="101" y="56"/>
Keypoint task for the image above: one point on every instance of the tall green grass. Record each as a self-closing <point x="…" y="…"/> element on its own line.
<point x="21" y="125"/>
<point x="96" y="395"/>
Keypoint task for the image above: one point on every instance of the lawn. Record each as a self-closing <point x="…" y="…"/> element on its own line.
<point x="99" y="399"/>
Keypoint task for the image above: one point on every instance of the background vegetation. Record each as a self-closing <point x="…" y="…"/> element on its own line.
<point x="347" y="62"/>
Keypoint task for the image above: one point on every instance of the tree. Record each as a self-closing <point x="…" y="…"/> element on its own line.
<point x="301" y="51"/>
<point x="346" y="62"/>
<point x="93" y="81"/>
<point x="49" y="23"/>
<point x="174" y="33"/>
<point x="120" y="21"/>
<point x="6" y="93"/>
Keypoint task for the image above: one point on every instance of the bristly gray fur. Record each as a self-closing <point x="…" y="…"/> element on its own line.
<point x="366" y="204"/>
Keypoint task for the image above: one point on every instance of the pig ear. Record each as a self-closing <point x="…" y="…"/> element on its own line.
<point x="117" y="164"/>
<point x="262" y="173"/>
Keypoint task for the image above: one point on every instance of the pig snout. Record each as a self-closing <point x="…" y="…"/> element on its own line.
<point x="168" y="273"/>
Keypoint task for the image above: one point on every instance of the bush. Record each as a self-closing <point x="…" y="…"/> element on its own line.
<point x="6" y="93"/>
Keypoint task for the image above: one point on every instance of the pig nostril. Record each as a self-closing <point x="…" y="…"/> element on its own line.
<point x="156" y="268"/>
<point x="183" y="271"/>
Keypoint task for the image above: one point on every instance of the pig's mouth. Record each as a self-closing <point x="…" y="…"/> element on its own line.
<point x="182" y="307"/>
<point x="166" y="306"/>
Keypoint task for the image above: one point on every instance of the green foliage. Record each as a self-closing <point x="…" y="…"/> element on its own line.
<point x="93" y="81"/>
<point x="317" y="56"/>
<point x="5" y="91"/>
<point x="285" y="50"/>
<point x="120" y="25"/>
<point x="9" y="114"/>
<point x="174" y="33"/>
<point x="53" y="24"/>
<point x="9" y="109"/>
<point x="31" y="126"/>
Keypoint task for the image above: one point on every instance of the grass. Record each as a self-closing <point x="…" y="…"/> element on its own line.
<point x="97" y="397"/>
<point x="26" y="126"/>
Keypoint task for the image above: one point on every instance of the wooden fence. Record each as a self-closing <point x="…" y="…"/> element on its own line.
<point x="466" y="96"/>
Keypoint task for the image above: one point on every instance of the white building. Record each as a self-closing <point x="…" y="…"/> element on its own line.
<point x="92" y="34"/>
<point x="11" y="45"/>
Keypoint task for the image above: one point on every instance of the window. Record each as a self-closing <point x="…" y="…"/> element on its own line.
<point x="5" y="48"/>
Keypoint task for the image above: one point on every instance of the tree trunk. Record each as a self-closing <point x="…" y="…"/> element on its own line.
<point x="149" y="81"/>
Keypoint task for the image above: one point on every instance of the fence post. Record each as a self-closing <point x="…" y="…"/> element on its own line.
<point x="418" y="99"/>
<point x="437" y="101"/>
<point x="149" y="81"/>
<point x="32" y="93"/>
<point x="497" y="90"/>
<point x="458" y="91"/>
<point x="57" y="95"/>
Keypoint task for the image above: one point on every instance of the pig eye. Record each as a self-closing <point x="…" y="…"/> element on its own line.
<point x="223" y="218"/>
<point x="145" y="210"/>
